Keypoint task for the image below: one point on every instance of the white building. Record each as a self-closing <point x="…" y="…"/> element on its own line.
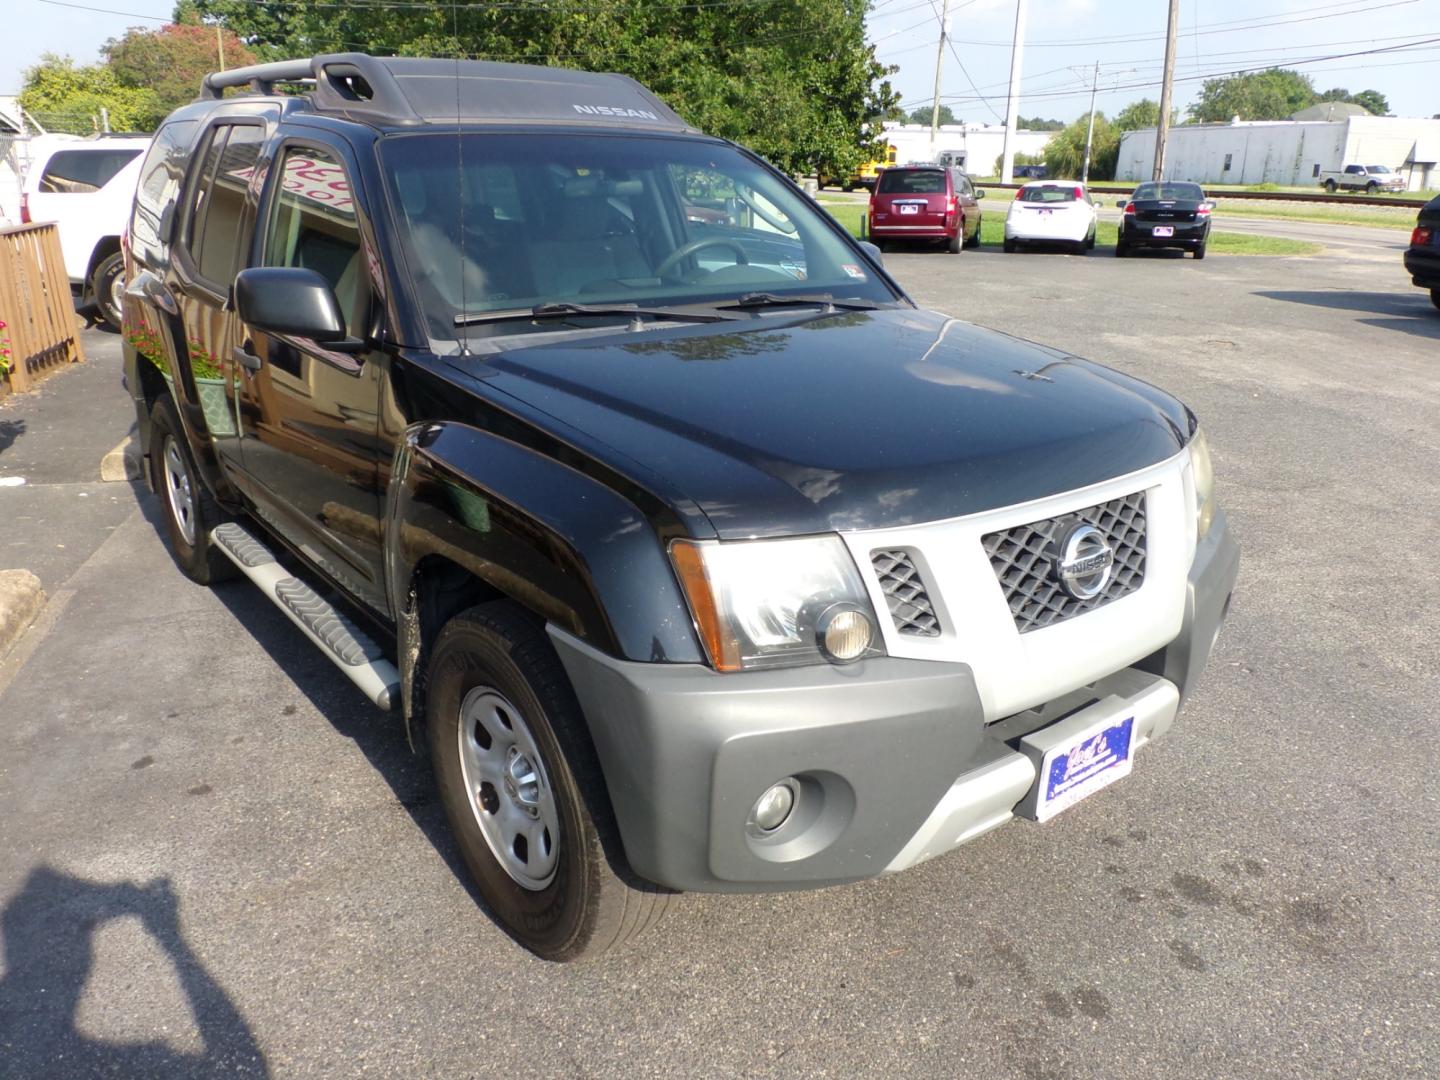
<point x="1286" y="152"/>
<point x="973" y="147"/>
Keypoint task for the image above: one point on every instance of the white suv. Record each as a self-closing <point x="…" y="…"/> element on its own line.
<point x="87" y="187"/>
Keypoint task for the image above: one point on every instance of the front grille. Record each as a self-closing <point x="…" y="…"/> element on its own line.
<point x="1023" y="559"/>
<point x="905" y="594"/>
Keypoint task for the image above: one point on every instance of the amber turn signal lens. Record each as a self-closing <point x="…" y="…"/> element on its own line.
<point x="720" y="645"/>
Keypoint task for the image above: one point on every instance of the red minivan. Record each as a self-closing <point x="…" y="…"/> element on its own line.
<point x="925" y="202"/>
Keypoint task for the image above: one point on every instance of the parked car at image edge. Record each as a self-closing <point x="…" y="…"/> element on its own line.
<point x="1054" y="213"/>
<point x="692" y="553"/>
<point x="1422" y="257"/>
<point x="925" y="202"/>
<point x="1165" y="214"/>
<point x="86" y="186"/>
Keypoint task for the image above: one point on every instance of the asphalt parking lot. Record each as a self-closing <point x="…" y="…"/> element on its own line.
<point x="216" y="858"/>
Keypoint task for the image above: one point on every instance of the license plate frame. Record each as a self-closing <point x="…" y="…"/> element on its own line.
<point x="1163" y="230"/>
<point x="1072" y="768"/>
<point x="908" y="208"/>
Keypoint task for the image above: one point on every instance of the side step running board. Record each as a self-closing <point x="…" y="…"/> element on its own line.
<point x="353" y="651"/>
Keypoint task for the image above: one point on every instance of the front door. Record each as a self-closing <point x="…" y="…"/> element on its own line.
<point x="309" y="435"/>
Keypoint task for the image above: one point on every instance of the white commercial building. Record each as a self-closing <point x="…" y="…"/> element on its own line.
<point x="973" y="147"/>
<point x="1286" y="152"/>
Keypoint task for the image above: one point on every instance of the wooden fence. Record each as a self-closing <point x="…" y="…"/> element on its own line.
<point x="39" y="329"/>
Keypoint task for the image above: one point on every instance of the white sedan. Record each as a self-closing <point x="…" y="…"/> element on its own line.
<point x="1051" y="212"/>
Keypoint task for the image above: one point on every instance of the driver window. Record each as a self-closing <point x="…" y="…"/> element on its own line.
<point x="716" y="206"/>
<point x="313" y="225"/>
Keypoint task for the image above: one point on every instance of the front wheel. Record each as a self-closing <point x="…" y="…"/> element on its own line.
<point x="523" y="789"/>
<point x="190" y="511"/>
<point x="108" y="285"/>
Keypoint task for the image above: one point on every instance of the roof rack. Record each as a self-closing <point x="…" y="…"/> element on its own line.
<point x="406" y="90"/>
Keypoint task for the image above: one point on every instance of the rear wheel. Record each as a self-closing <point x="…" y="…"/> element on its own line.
<point x="1009" y="246"/>
<point x="1435" y="297"/>
<point x="1080" y="247"/>
<point x="190" y="511"/>
<point x="1200" y="252"/>
<point x="956" y="243"/>
<point x="1121" y="249"/>
<point x="523" y="790"/>
<point x="1330" y="186"/>
<point x="1090" y="241"/>
<point x="108" y="285"/>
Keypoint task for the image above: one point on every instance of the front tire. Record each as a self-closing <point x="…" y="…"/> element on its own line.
<point x="190" y="511"/>
<point x="523" y="790"/>
<point x="107" y="283"/>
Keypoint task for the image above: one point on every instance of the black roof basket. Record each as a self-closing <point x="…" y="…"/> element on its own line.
<point x="406" y="90"/>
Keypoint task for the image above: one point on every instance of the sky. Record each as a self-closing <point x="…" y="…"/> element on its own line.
<point x="1064" y="39"/>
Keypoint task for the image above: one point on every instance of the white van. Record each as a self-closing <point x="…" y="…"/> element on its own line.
<point x="87" y="187"/>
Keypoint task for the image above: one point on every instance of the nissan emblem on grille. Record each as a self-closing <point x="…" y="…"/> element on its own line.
<point x="1064" y="566"/>
<point x="1083" y="561"/>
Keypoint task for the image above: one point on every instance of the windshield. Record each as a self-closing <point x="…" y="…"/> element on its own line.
<point x="912" y="182"/>
<point x="495" y="222"/>
<point x="1164" y="192"/>
<point x="1047" y="193"/>
<point x="1376" y="168"/>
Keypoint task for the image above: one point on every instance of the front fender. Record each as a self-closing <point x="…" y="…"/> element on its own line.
<point x="559" y="543"/>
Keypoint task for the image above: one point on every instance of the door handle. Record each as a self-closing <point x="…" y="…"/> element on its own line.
<point x="242" y="355"/>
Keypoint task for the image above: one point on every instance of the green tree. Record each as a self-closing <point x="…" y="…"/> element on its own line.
<point x="794" y="80"/>
<point x="1036" y="123"/>
<point x="172" y="60"/>
<point x="67" y="97"/>
<point x="1065" y="152"/>
<point x="1372" y="100"/>
<point x="1273" y="94"/>
<point x="922" y="115"/>
<point x="1021" y="158"/>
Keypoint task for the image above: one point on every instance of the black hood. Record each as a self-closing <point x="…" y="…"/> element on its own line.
<point x="809" y="423"/>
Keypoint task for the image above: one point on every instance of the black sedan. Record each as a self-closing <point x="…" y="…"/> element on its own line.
<point x="1165" y="214"/>
<point x="1422" y="258"/>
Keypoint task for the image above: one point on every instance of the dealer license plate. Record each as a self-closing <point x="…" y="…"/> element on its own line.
<point x="1083" y="764"/>
<point x="1164" y="230"/>
<point x="909" y="208"/>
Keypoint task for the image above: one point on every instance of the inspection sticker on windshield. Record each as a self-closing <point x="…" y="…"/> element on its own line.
<point x="1083" y="765"/>
<point x="854" y="271"/>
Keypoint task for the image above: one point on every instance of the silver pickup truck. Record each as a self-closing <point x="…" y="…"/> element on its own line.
<point x="1369" y="178"/>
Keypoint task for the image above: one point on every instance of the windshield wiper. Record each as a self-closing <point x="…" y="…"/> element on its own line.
<point x="562" y="308"/>
<point x="769" y="299"/>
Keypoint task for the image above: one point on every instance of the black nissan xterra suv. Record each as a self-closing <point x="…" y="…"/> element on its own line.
<point x="692" y="552"/>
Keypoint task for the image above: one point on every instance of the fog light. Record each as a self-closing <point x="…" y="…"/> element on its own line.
<point x="773" y="808"/>
<point x="845" y="634"/>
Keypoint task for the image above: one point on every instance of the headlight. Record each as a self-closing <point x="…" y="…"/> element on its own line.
<point x="1204" y="475"/>
<point x="776" y="603"/>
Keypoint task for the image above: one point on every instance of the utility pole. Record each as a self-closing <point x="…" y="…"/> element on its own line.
<point x="1090" y="131"/>
<point x="939" y="56"/>
<point x="1007" y="169"/>
<point x="220" y="46"/>
<point x="1162" y="129"/>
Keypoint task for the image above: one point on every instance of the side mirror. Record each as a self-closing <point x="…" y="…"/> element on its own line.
<point x="1119" y="204"/>
<point x="979" y="193"/>
<point x="293" y="301"/>
<point x="873" y="251"/>
<point x="1208" y="204"/>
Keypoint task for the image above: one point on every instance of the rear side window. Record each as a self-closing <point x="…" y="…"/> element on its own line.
<point x="159" y="187"/>
<point x="1046" y="194"/>
<point x="77" y="172"/>
<point x="912" y="182"/>
<point x="213" y="225"/>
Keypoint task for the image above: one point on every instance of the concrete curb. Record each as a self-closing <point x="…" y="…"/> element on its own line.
<point x="123" y="462"/>
<point x="21" y="599"/>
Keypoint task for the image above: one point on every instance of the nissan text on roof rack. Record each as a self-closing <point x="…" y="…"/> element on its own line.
<point x="691" y="551"/>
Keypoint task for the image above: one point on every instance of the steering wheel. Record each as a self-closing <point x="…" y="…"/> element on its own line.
<point x="684" y="251"/>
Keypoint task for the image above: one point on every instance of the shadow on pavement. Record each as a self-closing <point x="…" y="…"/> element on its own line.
<point x="10" y="430"/>
<point x="49" y="929"/>
<point x="1408" y="311"/>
